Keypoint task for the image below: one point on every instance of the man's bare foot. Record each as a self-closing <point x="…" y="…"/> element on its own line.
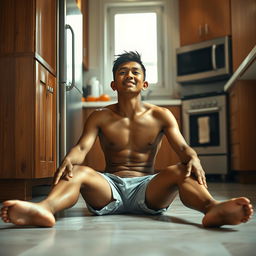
<point x="26" y="213"/>
<point x="231" y="212"/>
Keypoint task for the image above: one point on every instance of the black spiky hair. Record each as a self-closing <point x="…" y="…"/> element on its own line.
<point x="127" y="57"/>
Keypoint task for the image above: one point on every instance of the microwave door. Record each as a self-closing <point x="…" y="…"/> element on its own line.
<point x="204" y="62"/>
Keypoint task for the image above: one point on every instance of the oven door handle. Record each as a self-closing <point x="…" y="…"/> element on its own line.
<point x="203" y="110"/>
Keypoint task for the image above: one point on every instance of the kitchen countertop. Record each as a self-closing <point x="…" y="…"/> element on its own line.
<point x="170" y="102"/>
<point x="246" y="70"/>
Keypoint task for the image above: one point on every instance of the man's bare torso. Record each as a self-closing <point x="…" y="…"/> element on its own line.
<point x="130" y="145"/>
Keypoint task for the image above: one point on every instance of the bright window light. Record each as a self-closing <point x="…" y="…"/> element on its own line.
<point x="138" y="32"/>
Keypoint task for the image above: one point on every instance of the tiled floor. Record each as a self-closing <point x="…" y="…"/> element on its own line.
<point x="177" y="232"/>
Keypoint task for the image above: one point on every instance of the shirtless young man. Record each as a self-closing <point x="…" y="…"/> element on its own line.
<point x="130" y="133"/>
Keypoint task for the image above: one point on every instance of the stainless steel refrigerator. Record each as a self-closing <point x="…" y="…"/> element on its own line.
<point x="70" y="75"/>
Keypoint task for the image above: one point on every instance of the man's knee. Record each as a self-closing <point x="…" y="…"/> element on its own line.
<point x="176" y="172"/>
<point x="82" y="172"/>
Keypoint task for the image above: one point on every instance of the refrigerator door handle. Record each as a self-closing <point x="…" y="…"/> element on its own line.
<point x="72" y="84"/>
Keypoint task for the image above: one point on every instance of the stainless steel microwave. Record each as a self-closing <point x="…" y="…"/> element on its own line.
<point x="204" y="62"/>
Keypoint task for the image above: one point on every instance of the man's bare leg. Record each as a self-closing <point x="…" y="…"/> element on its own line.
<point x="64" y="195"/>
<point x="162" y="189"/>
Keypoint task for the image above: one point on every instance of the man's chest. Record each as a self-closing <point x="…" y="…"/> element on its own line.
<point x="139" y="134"/>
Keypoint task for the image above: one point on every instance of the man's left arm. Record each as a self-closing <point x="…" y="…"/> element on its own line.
<point x="187" y="155"/>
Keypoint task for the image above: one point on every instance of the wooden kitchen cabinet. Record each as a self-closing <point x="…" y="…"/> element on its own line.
<point x="45" y="123"/>
<point x="28" y="126"/>
<point x="202" y="20"/>
<point x="29" y="27"/>
<point x="243" y="29"/>
<point x="27" y="95"/>
<point x="46" y="33"/>
<point x="242" y="94"/>
<point x="166" y="155"/>
<point x="242" y="98"/>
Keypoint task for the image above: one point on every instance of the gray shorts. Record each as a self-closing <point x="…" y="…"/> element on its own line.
<point x="128" y="194"/>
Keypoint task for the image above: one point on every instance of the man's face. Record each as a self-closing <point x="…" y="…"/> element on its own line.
<point x="129" y="77"/>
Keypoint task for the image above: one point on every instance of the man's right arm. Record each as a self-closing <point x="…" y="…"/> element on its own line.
<point x="78" y="153"/>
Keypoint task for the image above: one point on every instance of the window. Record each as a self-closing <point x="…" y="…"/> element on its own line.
<point x="158" y="50"/>
<point x="136" y="29"/>
<point x="138" y="32"/>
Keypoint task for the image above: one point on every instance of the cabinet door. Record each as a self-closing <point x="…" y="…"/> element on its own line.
<point x="242" y="125"/>
<point x="16" y="27"/>
<point x="203" y="20"/>
<point x="217" y="20"/>
<point x="234" y="128"/>
<point x="41" y="84"/>
<point x="50" y="126"/>
<point x="243" y="29"/>
<point x="45" y="123"/>
<point x="46" y="33"/>
<point x="191" y="21"/>
<point x="17" y="111"/>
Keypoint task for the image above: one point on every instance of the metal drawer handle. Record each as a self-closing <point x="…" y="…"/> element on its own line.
<point x="203" y="110"/>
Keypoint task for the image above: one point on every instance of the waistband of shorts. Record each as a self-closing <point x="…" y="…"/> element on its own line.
<point x="111" y="175"/>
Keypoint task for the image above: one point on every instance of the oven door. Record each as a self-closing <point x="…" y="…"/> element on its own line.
<point x="205" y="130"/>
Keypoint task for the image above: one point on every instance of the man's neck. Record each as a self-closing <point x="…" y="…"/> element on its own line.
<point x="129" y="106"/>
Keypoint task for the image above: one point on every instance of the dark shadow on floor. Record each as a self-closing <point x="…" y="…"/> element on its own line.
<point x="167" y="218"/>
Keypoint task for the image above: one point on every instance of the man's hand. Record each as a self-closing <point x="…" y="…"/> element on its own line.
<point x="194" y="166"/>
<point x="64" y="171"/>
